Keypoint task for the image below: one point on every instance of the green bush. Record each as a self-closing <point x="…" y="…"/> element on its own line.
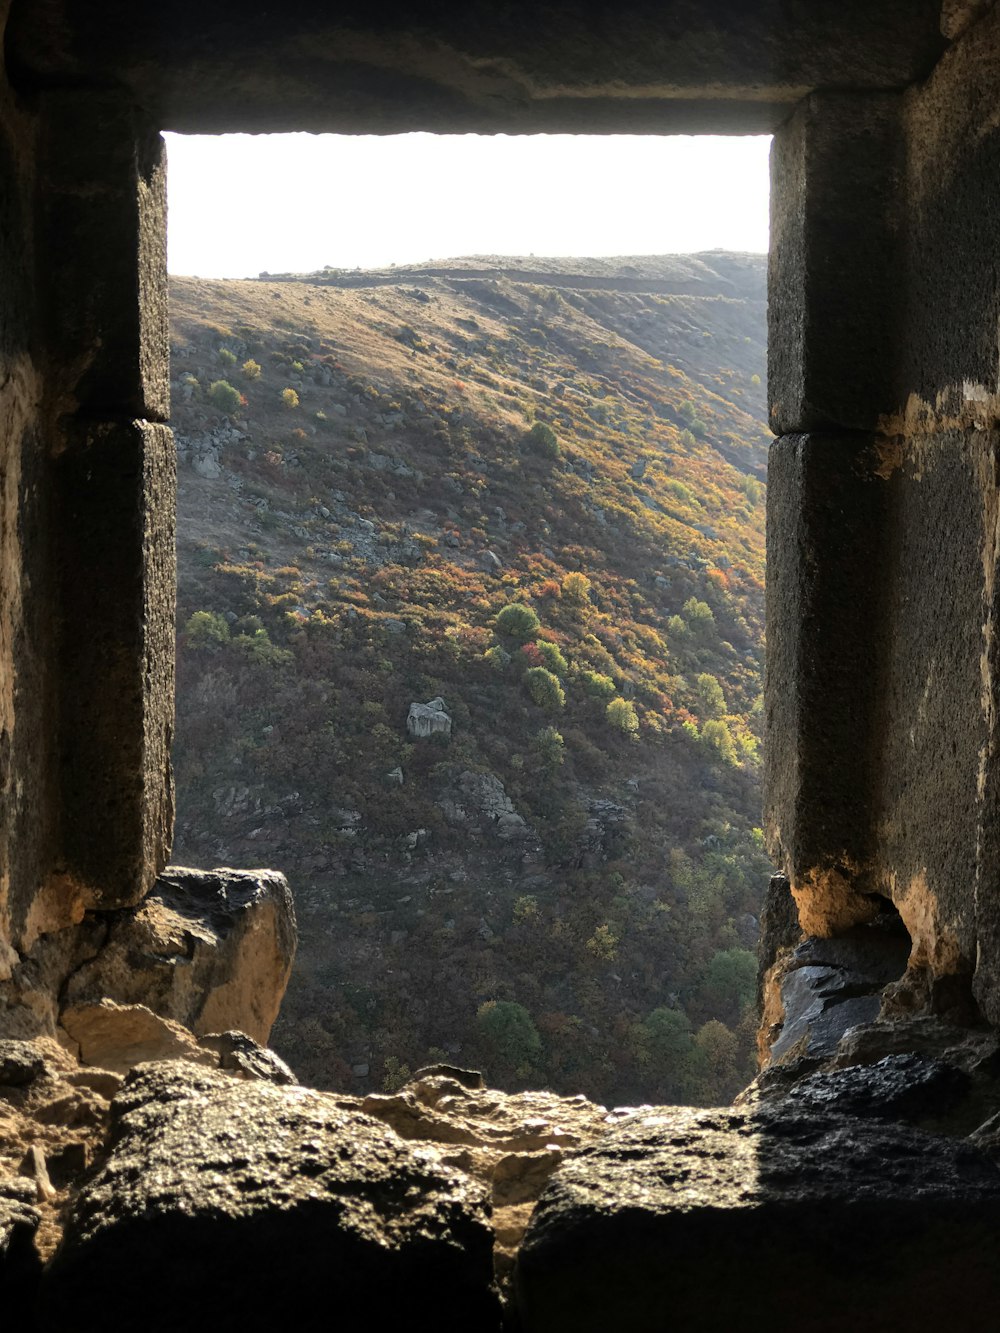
<point x="576" y="588"/>
<point x="517" y="621"/>
<point x="545" y="689"/>
<point x="597" y="685"/>
<point x="251" y="369"/>
<point x="223" y="396"/>
<point x="550" y="748"/>
<point x="543" y="440"/>
<point x="498" y="658"/>
<point x="509" y="1034"/>
<point x="552" y="657"/>
<point x="207" y="629"/>
<point x="716" y="734"/>
<point x="227" y="357"/>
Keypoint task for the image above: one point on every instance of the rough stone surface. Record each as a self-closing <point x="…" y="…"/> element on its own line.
<point x="704" y="1220"/>
<point x="241" y="1055"/>
<point x="827" y="501"/>
<point x="510" y="1142"/>
<point x="429" y="719"/>
<point x="117" y="577"/>
<point x="913" y="1088"/>
<point x="105" y="298"/>
<point x="278" y="1208"/>
<point x="119" y="1036"/>
<point x="826" y="368"/>
<point x="20" y="1266"/>
<point x="826" y="986"/>
<point x="212" y="950"/>
<point x="684" y="67"/>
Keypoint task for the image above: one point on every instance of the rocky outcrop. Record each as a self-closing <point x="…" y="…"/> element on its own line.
<point x="211" y="950"/>
<point x="481" y="798"/>
<point x="275" y="1207"/>
<point x="706" y="1220"/>
<point x="510" y="1142"/>
<point x="429" y="719"/>
<point x="119" y="1036"/>
<point x="820" y="988"/>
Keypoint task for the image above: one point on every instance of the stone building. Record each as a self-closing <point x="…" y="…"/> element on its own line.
<point x="883" y="691"/>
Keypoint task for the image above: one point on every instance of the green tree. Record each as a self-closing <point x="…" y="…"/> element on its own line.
<point x="622" y="716"/>
<point x="544" y="688"/>
<point x="552" y="657"/>
<point x="698" y="614"/>
<point x="206" y="629"/>
<point x="223" y="396"/>
<point x="576" y="588"/>
<point x="543" y="440"/>
<point x="717" y="736"/>
<point x="711" y="700"/>
<point x="509" y="1035"/>
<point x="597" y="685"/>
<point x="550" y="748"/>
<point x="730" y="981"/>
<point x="517" y="621"/>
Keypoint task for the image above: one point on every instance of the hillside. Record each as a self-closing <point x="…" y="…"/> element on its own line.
<point x="553" y="873"/>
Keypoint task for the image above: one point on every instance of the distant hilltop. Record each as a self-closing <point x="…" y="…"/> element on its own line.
<point x="712" y="272"/>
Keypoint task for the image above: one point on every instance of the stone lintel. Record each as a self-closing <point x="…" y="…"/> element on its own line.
<point x="585" y="65"/>
<point x="115" y="503"/>
<point x="102" y="271"/>
<point x="833" y="279"/>
<point x="828" y="506"/>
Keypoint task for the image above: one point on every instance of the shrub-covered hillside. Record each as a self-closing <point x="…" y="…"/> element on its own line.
<point x="527" y="497"/>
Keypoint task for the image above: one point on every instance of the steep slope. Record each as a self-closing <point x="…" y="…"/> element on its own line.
<point x="554" y="873"/>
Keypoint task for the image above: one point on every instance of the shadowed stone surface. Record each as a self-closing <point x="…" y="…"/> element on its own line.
<point x="20" y="1266"/>
<point x="835" y="168"/>
<point x="272" y="1208"/>
<point x="707" y="1220"/>
<point x="116" y="486"/>
<point x="651" y="66"/>
<point x="820" y="989"/>
<point x="913" y="1088"/>
<point x="827" y="508"/>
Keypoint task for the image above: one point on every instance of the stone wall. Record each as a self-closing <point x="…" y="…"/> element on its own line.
<point x="883" y="540"/>
<point x="28" y="745"/>
<point x="882" y="709"/>
<point x="86" y="597"/>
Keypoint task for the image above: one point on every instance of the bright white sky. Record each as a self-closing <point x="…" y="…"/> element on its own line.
<point x="241" y="204"/>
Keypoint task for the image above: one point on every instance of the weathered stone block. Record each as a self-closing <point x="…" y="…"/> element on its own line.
<point x="938" y="855"/>
<point x="836" y="169"/>
<point x="690" y="66"/>
<point x="103" y="229"/>
<point x="708" y="1220"/>
<point x="115" y="485"/>
<point x="277" y="1208"/>
<point x="210" y="949"/>
<point x="828" y="512"/>
<point x="950" y="333"/>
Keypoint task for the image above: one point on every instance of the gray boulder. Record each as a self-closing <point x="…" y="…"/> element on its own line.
<point x="263" y="1207"/>
<point x="709" y="1220"/>
<point x="429" y="719"/>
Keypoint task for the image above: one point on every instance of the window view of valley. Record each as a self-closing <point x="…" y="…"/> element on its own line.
<point x="470" y="646"/>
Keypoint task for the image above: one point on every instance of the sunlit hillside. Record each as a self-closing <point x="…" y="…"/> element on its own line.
<point x="554" y="872"/>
